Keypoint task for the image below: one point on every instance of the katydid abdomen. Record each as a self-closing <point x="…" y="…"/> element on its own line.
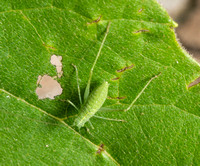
<point x="95" y="101"/>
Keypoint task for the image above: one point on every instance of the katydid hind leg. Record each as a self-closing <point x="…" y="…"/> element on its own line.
<point x="87" y="90"/>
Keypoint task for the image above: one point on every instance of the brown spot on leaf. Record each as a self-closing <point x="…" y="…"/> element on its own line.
<point x="117" y="78"/>
<point x="139" y="11"/>
<point x="117" y="98"/>
<point x="56" y="61"/>
<point x="197" y="81"/>
<point x="125" y="68"/>
<point x="100" y="149"/>
<point x="49" y="88"/>
<point x="95" y="21"/>
<point x="141" y="30"/>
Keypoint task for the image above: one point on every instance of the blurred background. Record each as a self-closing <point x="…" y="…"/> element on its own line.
<point x="187" y="14"/>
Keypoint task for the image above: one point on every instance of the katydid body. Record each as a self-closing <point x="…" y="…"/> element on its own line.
<point x="92" y="105"/>
<point x="94" y="101"/>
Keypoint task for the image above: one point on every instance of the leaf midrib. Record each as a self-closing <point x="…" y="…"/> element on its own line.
<point x="61" y="121"/>
<point x="96" y="146"/>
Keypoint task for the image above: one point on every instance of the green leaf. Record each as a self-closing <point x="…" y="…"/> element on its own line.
<point x="162" y="128"/>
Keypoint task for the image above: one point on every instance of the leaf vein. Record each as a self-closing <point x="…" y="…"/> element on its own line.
<point x="58" y="119"/>
<point x="32" y="26"/>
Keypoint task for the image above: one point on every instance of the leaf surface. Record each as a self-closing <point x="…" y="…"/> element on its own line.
<point x="162" y="128"/>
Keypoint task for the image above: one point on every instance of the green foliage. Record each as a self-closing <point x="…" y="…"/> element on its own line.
<point x="162" y="128"/>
